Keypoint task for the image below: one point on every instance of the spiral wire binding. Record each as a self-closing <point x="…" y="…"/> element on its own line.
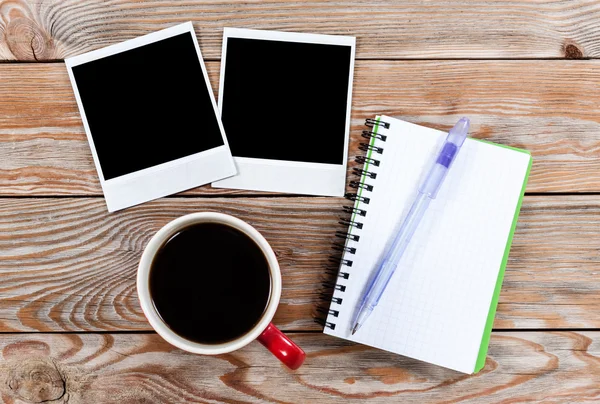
<point x="330" y="284"/>
<point x="352" y="210"/>
<point x="360" y="172"/>
<point x="367" y="147"/>
<point x="349" y="223"/>
<point x="364" y="160"/>
<point x="367" y="134"/>
<point x="360" y="185"/>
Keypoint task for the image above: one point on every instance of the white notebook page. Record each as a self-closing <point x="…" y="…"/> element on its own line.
<point x="436" y="305"/>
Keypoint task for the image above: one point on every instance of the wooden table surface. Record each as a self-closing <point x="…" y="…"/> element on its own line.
<point x="71" y="328"/>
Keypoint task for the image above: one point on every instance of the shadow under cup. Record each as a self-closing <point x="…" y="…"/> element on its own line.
<point x="210" y="283"/>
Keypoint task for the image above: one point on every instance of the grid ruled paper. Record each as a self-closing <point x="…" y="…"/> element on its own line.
<point x="436" y="305"/>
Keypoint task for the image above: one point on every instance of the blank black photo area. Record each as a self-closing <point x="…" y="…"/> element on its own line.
<point x="286" y="100"/>
<point x="148" y="106"/>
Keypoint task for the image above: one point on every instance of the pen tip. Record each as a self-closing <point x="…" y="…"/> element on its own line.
<point x="462" y="126"/>
<point x="355" y="329"/>
<point x="459" y="132"/>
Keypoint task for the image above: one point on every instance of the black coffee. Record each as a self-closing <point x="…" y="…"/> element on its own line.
<point x="210" y="283"/>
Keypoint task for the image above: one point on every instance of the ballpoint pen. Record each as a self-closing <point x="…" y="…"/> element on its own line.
<point x="427" y="192"/>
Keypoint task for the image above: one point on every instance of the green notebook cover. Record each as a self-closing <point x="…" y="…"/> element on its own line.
<point x="487" y="332"/>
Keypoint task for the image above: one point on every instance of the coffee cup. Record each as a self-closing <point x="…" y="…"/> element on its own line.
<point x="206" y="305"/>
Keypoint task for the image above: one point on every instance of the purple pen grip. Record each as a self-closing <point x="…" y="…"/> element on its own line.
<point x="447" y="154"/>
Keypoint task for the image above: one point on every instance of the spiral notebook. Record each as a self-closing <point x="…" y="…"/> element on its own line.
<point x="440" y="304"/>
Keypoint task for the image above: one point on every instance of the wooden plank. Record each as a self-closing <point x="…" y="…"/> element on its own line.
<point x="553" y="266"/>
<point x="124" y="368"/>
<point x="55" y="29"/>
<point x="529" y="104"/>
<point x="68" y="265"/>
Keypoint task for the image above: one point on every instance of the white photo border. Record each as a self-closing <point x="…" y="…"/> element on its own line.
<point x="280" y="175"/>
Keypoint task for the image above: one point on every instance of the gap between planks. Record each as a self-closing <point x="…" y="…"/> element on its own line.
<point x="464" y="59"/>
<point x="307" y="331"/>
<point x="256" y="196"/>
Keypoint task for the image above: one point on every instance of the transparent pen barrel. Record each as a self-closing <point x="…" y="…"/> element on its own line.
<point x="401" y="241"/>
<point x="404" y="235"/>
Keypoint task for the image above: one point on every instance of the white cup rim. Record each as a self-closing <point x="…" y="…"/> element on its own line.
<point x="152" y="315"/>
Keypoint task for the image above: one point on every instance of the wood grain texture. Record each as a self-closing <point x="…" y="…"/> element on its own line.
<point x="90" y="368"/>
<point x="551" y="108"/>
<point x="68" y="265"/>
<point x="33" y="30"/>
